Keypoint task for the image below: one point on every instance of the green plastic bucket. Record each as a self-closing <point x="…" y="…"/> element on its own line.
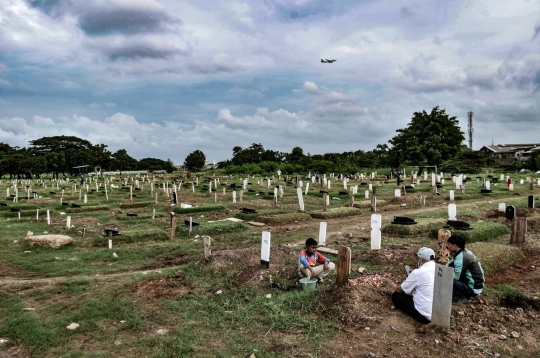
<point x="308" y="284"/>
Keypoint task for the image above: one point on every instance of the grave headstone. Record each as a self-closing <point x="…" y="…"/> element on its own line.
<point x="265" y="249"/>
<point x="322" y="233"/>
<point x="207" y="246"/>
<point x="397" y="193"/>
<point x="343" y="266"/>
<point x="442" y="296"/>
<point x="451" y="194"/>
<point x="519" y="230"/>
<point x="502" y="207"/>
<point x="452" y="211"/>
<point x="510" y="212"/>
<point x="531" y="201"/>
<point x="376" y="223"/>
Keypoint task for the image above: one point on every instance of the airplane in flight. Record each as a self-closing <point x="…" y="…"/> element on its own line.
<point x="327" y="61"/>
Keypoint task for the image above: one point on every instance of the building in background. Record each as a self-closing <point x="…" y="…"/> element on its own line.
<point x="509" y="153"/>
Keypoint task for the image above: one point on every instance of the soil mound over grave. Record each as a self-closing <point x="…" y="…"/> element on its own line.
<point x="162" y="288"/>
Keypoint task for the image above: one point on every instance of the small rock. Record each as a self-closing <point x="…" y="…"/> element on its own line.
<point x="3" y="341"/>
<point x="73" y="326"/>
<point x="461" y="313"/>
<point x="253" y="354"/>
<point x="361" y="269"/>
<point x="162" y="331"/>
<point x="115" y="255"/>
<point x="57" y="258"/>
<point x="392" y="307"/>
<point x="371" y="355"/>
<point x="118" y="342"/>
<point x="514" y="334"/>
<point x="349" y="235"/>
<point x="289" y="228"/>
<point x="502" y="337"/>
<point x="269" y="295"/>
<point x="29" y="309"/>
<point x="219" y="292"/>
<point x="122" y="321"/>
<point x="519" y="347"/>
<point x="437" y="341"/>
<point x="519" y="310"/>
<point x="120" y="211"/>
<point x="14" y="241"/>
<point x="27" y="252"/>
<point x="403" y="204"/>
<point x="367" y="328"/>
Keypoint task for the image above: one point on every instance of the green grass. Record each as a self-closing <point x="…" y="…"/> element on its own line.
<point x="128" y="237"/>
<point x="87" y="209"/>
<point x="211" y="229"/>
<point x="199" y="209"/>
<point x="335" y="213"/>
<point x="481" y="231"/>
<point x="495" y="257"/>
<point x="423" y="226"/>
<point x="139" y="204"/>
<point x="264" y="212"/>
<point x="282" y="219"/>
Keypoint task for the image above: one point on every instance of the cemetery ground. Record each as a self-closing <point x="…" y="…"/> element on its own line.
<point x="161" y="297"/>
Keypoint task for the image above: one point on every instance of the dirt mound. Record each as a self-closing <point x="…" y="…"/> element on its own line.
<point x="162" y="288"/>
<point x="282" y="272"/>
<point x="392" y="254"/>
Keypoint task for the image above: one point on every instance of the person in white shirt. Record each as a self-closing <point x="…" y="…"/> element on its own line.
<point x="415" y="295"/>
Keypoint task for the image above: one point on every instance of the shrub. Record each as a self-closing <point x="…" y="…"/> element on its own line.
<point x="335" y="213"/>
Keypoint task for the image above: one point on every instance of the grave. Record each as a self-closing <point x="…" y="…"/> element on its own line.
<point x="14" y="210"/>
<point x="265" y="249"/>
<point x="193" y="223"/>
<point x="403" y="220"/>
<point x="3" y="204"/>
<point x="458" y="225"/>
<point x="73" y="205"/>
<point x="530" y="202"/>
<point x="249" y="211"/>
<point x="132" y="214"/>
<point x="110" y="232"/>
<point x="342" y="192"/>
<point x="343" y="266"/>
<point x="485" y="191"/>
<point x="510" y="212"/>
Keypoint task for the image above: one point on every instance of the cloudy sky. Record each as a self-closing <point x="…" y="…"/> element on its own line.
<point x="162" y="78"/>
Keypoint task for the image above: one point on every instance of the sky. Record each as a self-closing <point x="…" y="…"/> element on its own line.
<point x="162" y="78"/>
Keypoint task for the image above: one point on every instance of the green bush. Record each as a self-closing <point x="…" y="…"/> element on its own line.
<point x="481" y="231"/>
<point x="495" y="257"/>
<point x="282" y="219"/>
<point x="423" y="226"/>
<point x="198" y="209"/>
<point x="335" y="213"/>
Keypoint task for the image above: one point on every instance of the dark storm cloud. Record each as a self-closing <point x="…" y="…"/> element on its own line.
<point x="536" y="31"/>
<point x="49" y="7"/>
<point x="100" y="22"/>
<point x="138" y="50"/>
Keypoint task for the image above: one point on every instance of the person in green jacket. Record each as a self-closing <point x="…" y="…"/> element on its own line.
<point x="468" y="273"/>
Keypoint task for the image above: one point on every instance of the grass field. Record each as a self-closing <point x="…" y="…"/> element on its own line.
<point x="150" y="296"/>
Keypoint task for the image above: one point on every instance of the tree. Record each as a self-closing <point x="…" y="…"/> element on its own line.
<point x="195" y="160"/>
<point x="296" y="156"/>
<point x="429" y="139"/>
<point x="121" y="160"/>
<point x="533" y="162"/>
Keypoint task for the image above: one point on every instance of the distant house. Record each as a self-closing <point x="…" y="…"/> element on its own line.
<point x="210" y="164"/>
<point x="509" y="153"/>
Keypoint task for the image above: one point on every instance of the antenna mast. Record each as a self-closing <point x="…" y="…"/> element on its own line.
<point x="471" y="130"/>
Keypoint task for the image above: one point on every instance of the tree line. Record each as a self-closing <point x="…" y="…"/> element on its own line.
<point x="430" y="139"/>
<point x="60" y="154"/>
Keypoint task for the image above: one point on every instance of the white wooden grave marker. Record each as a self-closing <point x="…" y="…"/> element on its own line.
<point x="68" y="222"/>
<point x="300" y="199"/>
<point x="265" y="249"/>
<point x="502" y="207"/>
<point x="48" y="218"/>
<point x="322" y="233"/>
<point x="397" y="193"/>
<point x="367" y="194"/>
<point x="452" y="211"/>
<point x="234" y="197"/>
<point x="451" y="192"/>
<point x="376" y="223"/>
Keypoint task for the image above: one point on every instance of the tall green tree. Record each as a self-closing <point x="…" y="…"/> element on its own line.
<point x="121" y="160"/>
<point x="428" y="139"/>
<point x="195" y="160"/>
<point x="533" y="162"/>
